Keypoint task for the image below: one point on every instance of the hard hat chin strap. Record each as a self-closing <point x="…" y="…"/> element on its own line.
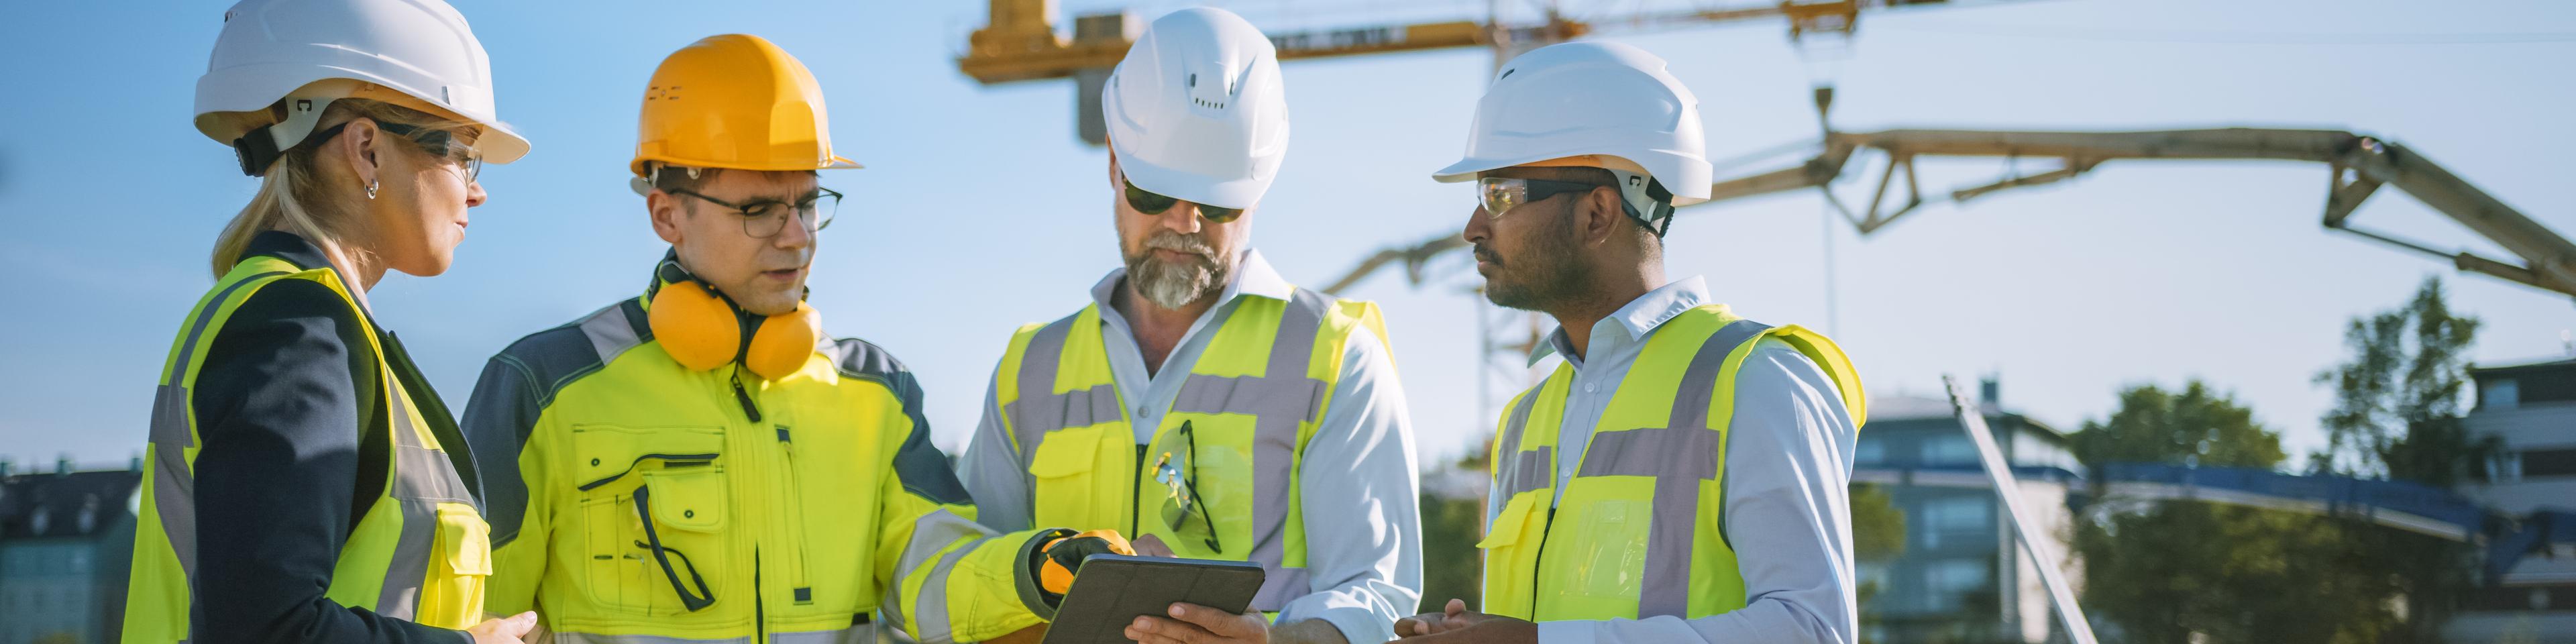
<point x="262" y="146"/>
<point x="1645" y="200"/>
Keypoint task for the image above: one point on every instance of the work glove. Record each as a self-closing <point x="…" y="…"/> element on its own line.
<point x="1058" y="560"/>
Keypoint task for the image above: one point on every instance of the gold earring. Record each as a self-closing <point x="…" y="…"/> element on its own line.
<point x="371" y="189"/>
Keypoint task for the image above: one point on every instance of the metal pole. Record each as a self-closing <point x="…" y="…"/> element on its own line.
<point x="2033" y="541"/>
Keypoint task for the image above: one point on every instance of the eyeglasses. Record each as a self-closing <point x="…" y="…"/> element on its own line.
<point x="1184" y="500"/>
<point x="763" y="218"/>
<point x="1147" y="202"/>
<point x="443" y="143"/>
<point x="1501" y="194"/>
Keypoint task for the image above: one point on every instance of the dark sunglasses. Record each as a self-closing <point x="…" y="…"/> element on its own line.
<point x="1147" y="202"/>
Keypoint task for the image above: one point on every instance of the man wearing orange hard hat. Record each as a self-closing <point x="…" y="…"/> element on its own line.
<point x="700" y="463"/>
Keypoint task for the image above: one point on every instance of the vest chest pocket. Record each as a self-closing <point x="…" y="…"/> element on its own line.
<point x="1508" y="546"/>
<point x="452" y="595"/>
<point x="1067" y="474"/>
<point x="1596" y="559"/>
<point x="654" y="504"/>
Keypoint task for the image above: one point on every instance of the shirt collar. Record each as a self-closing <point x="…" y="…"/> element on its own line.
<point x="1640" y="317"/>
<point x="293" y="248"/>
<point x="1253" y="275"/>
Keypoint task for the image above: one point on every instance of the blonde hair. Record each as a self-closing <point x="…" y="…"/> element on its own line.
<point x="292" y="196"/>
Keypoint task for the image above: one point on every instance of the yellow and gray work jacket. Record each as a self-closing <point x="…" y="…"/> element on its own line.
<point x="300" y="474"/>
<point x="636" y="500"/>
<point x="1638" y="530"/>
<point x="1250" y="405"/>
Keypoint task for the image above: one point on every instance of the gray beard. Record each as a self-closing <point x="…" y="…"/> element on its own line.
<point x="1173" y="286"/>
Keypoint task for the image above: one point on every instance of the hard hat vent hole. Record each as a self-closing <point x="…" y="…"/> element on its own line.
<point x="1507" y="73"/>
<point x="1193" y="81"/>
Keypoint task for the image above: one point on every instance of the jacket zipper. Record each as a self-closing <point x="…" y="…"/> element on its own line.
<point x="1136" y="491"/>
<point x="792" y="520"/>
<point x="759" y="604"/>
<point x="739" y="395"/>
<point x="1538" y="560"/>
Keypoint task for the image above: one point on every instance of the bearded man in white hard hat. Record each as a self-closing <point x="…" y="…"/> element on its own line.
<point x="1200" y="400"/>
<point x="1681" y="475"/>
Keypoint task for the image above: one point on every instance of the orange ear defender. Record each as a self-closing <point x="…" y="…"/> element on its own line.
<point x="703" y="329"/>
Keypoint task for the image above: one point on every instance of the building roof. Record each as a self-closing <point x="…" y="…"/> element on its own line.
<point x="64" y="505"/>
<point x="2558" y="363"/>
<point x="1901" y="407"/>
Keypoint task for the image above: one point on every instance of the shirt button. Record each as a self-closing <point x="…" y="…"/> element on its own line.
<point x="1589" y="387"/>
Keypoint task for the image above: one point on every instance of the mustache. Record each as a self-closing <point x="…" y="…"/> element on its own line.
<point x="1172" y="241"/>
<point x="1487" y="255"/>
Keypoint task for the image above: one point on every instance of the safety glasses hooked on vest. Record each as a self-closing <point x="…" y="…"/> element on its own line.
<point x="1147" y="202"/>
<point x="1182" y="480"/>
<point x="662" y="555"/>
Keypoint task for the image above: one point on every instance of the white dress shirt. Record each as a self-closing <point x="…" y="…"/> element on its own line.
<point x="1787" y="501"/>
<point x="1359" y="482"/>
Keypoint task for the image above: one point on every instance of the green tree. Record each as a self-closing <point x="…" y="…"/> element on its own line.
<point x="2397" y="416"/>
<point x="1878" y="537"/>
<point x="2196" y="572"/>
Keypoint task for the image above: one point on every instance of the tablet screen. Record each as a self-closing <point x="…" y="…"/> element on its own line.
<point x="1111" y="591"/>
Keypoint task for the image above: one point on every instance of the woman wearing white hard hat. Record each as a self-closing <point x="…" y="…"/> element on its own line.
<point x="306" y="484"/>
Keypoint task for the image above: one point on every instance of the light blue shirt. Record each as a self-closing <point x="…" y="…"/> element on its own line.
<point x="1787" y="497"/>
<point x="1359" y="483"/>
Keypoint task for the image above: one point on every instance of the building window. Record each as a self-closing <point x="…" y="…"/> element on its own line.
<point x="1956" y="520"/>
<point x="2500" y="393"/>
<point x="1870" y="452"/>
<point x="2548" y="462"/>
<point x="2504" y="467"/>
<point x="1956" y="577"/>
<point x="1949" y="450"/>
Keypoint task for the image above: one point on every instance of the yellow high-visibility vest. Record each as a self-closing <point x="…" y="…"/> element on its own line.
<point x="1251" y="403"/>
<point x="419" y="553"/>
<point x="1639" y="529"/>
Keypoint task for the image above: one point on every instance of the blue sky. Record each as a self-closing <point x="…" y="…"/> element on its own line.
<point x="979" y="211"/>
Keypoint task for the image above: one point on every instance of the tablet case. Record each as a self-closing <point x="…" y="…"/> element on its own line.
<point x="1112" y="590"/>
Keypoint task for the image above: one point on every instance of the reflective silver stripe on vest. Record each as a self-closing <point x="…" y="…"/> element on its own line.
<point x="1279" y="399"/>
<point x="595" y="638"/>
<point x="1679" y="455"/>
<point x="174" y="483"/>
<point x="930" y="533"/>
<point x="1521" y="471"/>
<point x="858" y="634"/>
<point x="422" y="479"/>
<point x="853" y="635"/>
<point x="1040" y="410"/>
<point x="610" y="334"/>
<point x="933" y="604"/>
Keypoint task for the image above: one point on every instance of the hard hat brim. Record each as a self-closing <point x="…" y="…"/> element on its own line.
<point x="1244" y="192"/>
<point x="1687" y="192"/>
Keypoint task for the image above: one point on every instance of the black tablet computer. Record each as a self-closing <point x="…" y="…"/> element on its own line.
<point x="1112" y="590"/>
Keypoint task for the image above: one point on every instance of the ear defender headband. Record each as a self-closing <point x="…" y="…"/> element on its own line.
<point x="703" y="329"/>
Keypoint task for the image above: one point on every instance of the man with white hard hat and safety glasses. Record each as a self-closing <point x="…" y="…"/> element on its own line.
<point x="698" y="463"/>
<point x="303" y="482"/>
<point x="1681" y="476"/>
<point x="1200" y="400"/>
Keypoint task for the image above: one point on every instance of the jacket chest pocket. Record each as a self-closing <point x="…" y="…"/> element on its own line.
<point x="654" y="504"/>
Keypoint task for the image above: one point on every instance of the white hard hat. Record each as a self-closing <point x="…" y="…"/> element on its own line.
<point x="1196" y="110"/>
<point x="1589" y="98"/>
<point x="317" y="51"/>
